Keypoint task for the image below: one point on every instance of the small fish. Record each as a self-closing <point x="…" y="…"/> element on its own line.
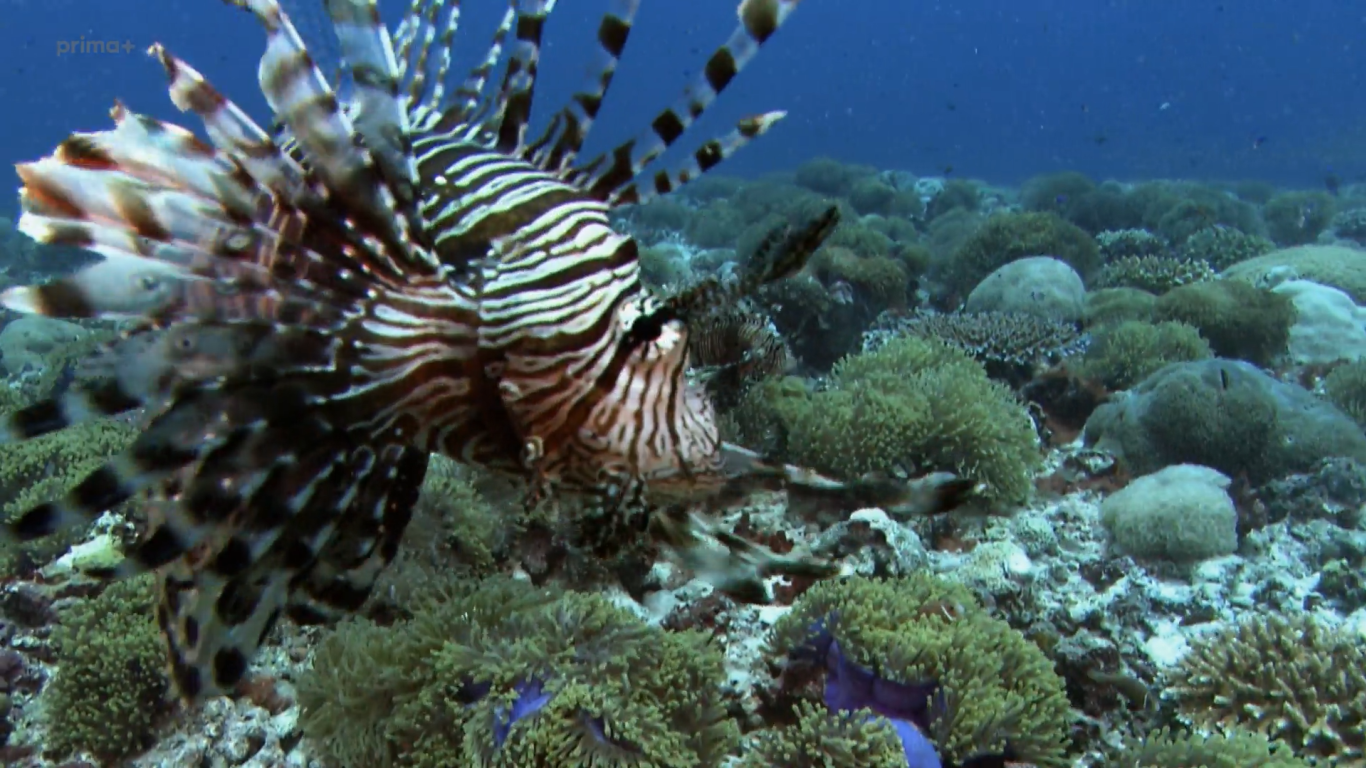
<point x="841" y="292"/>
<point x="1333" y="183"/>
<point x="1166" y="105"/>
<point x="1258" y="142"/>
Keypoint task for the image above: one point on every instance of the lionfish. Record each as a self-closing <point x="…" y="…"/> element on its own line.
<point x="390" y="272"/>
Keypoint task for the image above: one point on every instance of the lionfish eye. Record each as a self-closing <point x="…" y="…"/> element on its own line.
<point x="149" y="282"/>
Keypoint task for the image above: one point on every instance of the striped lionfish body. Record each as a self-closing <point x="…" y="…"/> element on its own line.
<point x="396" y="272"/>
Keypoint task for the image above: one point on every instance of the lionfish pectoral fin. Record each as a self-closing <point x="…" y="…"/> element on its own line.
<point x="781" y="255"/>
<point x="737" y="567"/>
<point x="307" y="540"/>
<point x="932" y="494"/>
<point x="785" y="251"/>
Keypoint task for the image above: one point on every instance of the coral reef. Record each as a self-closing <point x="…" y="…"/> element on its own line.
<point x="1155" y="273"/>
<point x="1122" y="355"/>
<point x="1182" y="749"/>
<point x="1109" y="306"/>
<point x="1116" y="244"/>
<point x="824" y="739"/>
<point x="1004" y="342"/>
<point x="1226" y="415"/>
<point x="1240" y="321"/>
<point x="108" y="694"/>
<point x="1221" y="247"/>
<point x="910" y="402"/>
<point x="1291" y="678"/>
<point x="1005" y="237"/>
<point x="1297" y="218"/>
<point x="1182" y="514"/>
<point x="499" y="673"/>
<point x="921" y="651"/>
<point x="1345" y="387"/>
<point x="1342" y="268"/>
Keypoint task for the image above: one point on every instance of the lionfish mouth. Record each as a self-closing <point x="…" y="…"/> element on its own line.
<point x="394" y="274"/>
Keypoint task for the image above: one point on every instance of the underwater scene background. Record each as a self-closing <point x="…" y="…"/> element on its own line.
<point x="1100" y="269"/>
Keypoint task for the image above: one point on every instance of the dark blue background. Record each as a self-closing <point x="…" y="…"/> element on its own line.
<point x="997" y="94"/>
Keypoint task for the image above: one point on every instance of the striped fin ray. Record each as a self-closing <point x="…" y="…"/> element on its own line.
<point x="313" y="563"/>
<point x="303" y="101"/>
<point x="473" y="106"/>
<point x="380" y="114"/>
<point x="706" y="157"/>
<point x="425" y="87"/>
<point x="146" y="364"/>
<point x="560" y="144"/>
<point x="233" y="131"/>
<point x="513" y="106"/>
<point x="208" y="370"/>
<point x="609" y="172"/>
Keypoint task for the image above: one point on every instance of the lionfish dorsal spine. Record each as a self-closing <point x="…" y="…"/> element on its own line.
<point x="426" y="88"/>
<point x="380" y="112"/>
<point x="559" y="145"/>
<point x="603" y="176"/>
<point x="305" y="103"/>
<point x="508" y="122"/>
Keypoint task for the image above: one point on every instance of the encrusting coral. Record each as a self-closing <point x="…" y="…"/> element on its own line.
<point x="499" y="673"/>
<point x="1293" y="679"/>
<point x="922" y="653"/>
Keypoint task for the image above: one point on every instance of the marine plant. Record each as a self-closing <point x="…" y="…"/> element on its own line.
<point x="881" y="282"/>
<point x="912" y="402"/>
<point x="1055" y="192"/>
<point x="717" y="225"/>
<point x="1292" y="678"/>
<point x="1122" y="355"/>
<point x="1005" y="237"/>
<point x="502" y="674"/>
<point x="107" y="695"/>
<point x="1239" y="320"/>
<point x="923" y="653"/>
<point x="956" y="195"/>
<point x="830" y="177"/>
<point x="45" y="469"/>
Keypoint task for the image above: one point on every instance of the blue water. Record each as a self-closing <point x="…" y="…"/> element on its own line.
<point x="1000" y="91"/>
